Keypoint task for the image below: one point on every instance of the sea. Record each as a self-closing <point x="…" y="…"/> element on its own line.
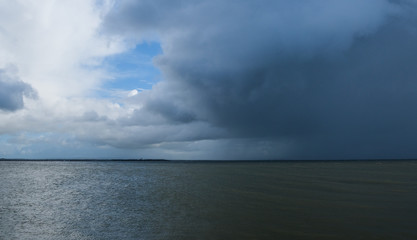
<point x="208" y="200"/>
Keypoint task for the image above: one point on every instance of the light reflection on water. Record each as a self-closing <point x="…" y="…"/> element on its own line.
<point x="127" y="200"/>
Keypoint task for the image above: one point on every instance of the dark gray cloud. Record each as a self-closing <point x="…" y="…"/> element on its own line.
<point x="332" y="79"/>
<point x="12" y="90"/>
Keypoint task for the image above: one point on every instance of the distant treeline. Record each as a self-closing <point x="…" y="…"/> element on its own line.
<point x="83" y="160"/>
<point x="201" y="161"/>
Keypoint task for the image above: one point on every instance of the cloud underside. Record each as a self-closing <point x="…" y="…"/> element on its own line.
<point x="331" y="79"/>
<point x="12" y="91"/>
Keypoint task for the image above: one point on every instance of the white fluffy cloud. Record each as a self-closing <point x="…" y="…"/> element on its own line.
<point x="50" y="53"/>
<point x="55" y="44"/>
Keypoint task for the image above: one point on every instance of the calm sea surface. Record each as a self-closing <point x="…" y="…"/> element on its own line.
<point x="160" y="200"/>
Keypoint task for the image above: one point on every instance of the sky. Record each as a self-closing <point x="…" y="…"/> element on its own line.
<point x="199" y="79"/>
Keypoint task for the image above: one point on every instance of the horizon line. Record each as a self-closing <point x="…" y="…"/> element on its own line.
<point x="193" y="160"/>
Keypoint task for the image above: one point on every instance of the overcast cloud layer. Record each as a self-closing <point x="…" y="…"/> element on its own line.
<point x="240" y="79"/>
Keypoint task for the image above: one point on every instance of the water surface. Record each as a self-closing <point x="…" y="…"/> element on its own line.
<point x="164" y="200"/>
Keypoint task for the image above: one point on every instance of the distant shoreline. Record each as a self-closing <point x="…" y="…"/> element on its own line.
<point x="198" y="161"/>
<point x="80" y="160"/>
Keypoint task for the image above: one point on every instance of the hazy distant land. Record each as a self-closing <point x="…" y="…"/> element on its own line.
<point x="204" y="160"/>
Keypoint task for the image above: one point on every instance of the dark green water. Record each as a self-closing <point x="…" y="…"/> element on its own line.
<point x="145" y="200"/>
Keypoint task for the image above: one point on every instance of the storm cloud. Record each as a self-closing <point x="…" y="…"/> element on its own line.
<point x="329" y="79"/>
<point x="12" y="91"/>
<point x="182" y="79"/>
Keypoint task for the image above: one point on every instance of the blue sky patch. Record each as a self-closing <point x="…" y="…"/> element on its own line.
<point x="134" y="69"/>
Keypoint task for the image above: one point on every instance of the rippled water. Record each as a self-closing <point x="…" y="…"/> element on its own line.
<point x="145" y="200"/>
